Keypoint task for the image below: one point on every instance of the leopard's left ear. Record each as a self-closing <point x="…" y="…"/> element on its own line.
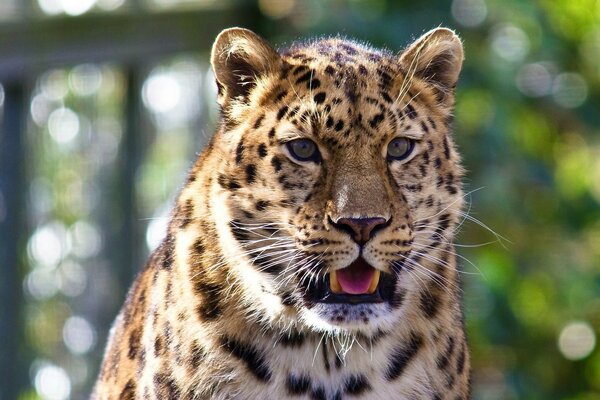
<point x="240" y="58"/>
<point x="436" y="57"/>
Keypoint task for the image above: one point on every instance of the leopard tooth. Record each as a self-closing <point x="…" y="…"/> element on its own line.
<point x="374" y="282"/>
<point x="334" y="284"/>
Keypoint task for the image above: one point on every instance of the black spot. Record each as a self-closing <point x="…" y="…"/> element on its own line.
<point x="198" y="355"/>
<point x="414" y="188"/>
<point x="432" y="122"/>
<point x="210" y="294"/>
<point x="402" y="356"/>
<point x="128" y="392"/>
<point x="329" y="70"/>
<point x="288" y="299"/>
<point x="157" y="346"/>
<point x="385" y="77"/>
<point x="198" y="247"/>
<point x="266" y="264"/>
<point x="262" y="204"/>
<point x="318" y="393"/>
<point x="338" y="361"/>
<point x="250" y="173"/>
<point x="185" y="214"/>
<point x="320" y="97"/>
<point x="437" y="163"/>
<point x="411" y="112"/>
<point x="292" y="339"/>
<point x="356" y="384"/>
<point x="272" y="133"/>
<point x="424" y="127"/>
<point x="239" y="152"/>
<point x="386" y="97"/>
<point x="276" y="163"/>
<point x="326" y="357"/>
<point x="442" y="360"/>
<point x="446" y="148"/>
<point x="339" y="126"/>
<point x="167" y="251"/>
<point x="165" y="387"/>
<point x="329" y="122"/>
<point x="233" y="185"/>
<point x="240" y="234"/>
<point x="262" y="150"/>
<point x="313" y="84"/>
<point x="429" y="202"/>
<point x="281" y="95"/>
<point x="305" y="77"/>
<point x="349" y="49"/>
<point x="362" y="69"/>
<point x="281" y="113"/>
<point x="259" y="121"/>
<point x="297" y="385"/>
<point x="254" y="360"/>
<point x="134" y="343"/>
<point x="460" y="360"/>
<point x="376" y="120"/>
<point x="299" y="68"/>
<point x="429" y="303"/>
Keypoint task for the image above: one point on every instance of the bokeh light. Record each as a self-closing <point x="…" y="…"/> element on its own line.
<point x="63" y="125"/>
<point x="570" y="90"/>
<point x="110" y="5"/>
<point x="276" y="8"/>
<point x="469" y="13"/>
<point x="48" y="244"/>
<point x="535" y="80"/>
<point x="509" y="42"/>
<point x="576" y="340"/>
<point x="69" y="7"/>
<point x="79" y="335"/>
<point x="52" y="383"/>
<point x="161" y="92"/>
<point x="85" y="79"/>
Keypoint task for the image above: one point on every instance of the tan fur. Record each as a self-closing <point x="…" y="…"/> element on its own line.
<point x="223" y="309"/>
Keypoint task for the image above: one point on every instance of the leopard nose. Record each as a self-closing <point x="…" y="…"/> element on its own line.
<point x="361" y="229"/>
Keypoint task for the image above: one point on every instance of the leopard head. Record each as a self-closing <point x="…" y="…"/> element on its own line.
<point x="338" y="184"/>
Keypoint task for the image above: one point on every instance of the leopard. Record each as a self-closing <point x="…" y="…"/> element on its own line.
<point x="310" y="253"/>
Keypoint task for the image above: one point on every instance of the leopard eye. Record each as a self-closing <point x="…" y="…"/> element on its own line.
<point x="303" y="150"/>
<point x="400" y="148"/>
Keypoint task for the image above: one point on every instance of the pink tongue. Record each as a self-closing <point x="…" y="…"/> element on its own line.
<point x="356" y="278"/>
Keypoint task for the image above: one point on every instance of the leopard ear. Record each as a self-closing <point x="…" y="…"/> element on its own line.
<point x="239" y="59"/>
<point x="436" y="57"/>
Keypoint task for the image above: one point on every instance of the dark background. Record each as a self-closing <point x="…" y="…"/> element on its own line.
<point x="105" y="103"/>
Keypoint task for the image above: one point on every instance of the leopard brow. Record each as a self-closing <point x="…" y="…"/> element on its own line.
<point x="287" y="136"/>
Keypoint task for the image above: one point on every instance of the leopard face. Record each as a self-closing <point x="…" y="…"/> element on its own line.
<point x="339" y="183"/>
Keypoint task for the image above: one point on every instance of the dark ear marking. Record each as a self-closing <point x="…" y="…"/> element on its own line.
<point x="436" y="57"/>
<point x="239" y="57"/>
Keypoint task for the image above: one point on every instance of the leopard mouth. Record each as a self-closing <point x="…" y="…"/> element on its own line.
<point x="357" y="283"/>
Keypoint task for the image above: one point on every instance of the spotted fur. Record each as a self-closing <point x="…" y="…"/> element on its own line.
<point x="226" y="306"/>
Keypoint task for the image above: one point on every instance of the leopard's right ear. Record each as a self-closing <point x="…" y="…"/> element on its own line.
<point x="240" y="58"/>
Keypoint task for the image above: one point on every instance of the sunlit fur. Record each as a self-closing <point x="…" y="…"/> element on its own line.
<point x="219" y="312"/>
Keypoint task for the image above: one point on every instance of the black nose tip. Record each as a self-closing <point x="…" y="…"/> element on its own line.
<point x="361" y="229"/>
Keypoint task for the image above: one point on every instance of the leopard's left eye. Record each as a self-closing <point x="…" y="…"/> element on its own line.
<point x="304" y="150"/>
<point x="400" y="148"/>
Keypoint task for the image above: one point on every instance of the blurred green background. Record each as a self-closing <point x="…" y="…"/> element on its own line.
<point x="105" y="103"/>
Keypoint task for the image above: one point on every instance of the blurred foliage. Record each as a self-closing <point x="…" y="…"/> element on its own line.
<point x="527" y="124"/>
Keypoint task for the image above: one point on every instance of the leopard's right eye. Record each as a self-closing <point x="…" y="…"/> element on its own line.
<point x="400" y="148"/>
<point x="304" y="150"/>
